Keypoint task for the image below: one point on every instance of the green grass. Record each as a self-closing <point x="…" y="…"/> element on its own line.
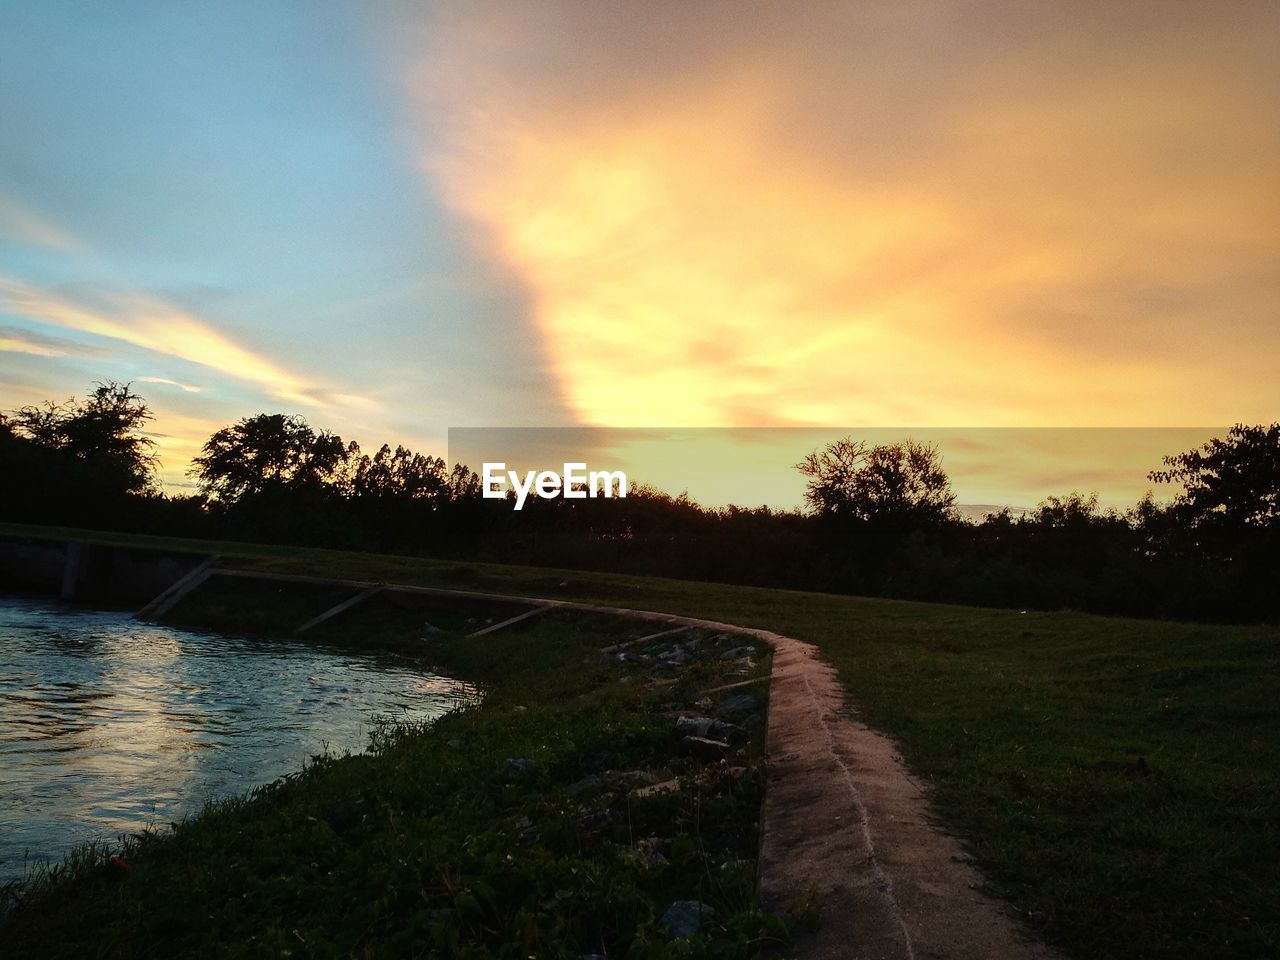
<point x="428" y="846"/>
<point x="1118" y="780"/>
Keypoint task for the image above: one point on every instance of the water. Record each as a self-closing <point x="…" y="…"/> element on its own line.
<point x="108" y="724"/>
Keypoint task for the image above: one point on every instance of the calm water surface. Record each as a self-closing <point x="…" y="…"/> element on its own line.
<point x="108" y="724"/>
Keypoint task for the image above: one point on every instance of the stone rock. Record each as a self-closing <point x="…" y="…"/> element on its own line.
<point x="627" y="778"/>
<point x="527" y="832"/>
<point x="739" y="703"/>
<point x="595" y="818"/>
<point x="723" y="730"/>
<point x="710" y="728"/>
<point x="517" y="768"/>
<point x="585" y="785"/>
<point x="652" y="850"/>
<point x="705" y="749"/>
<point x="684" y="917"/>
<point x="656" y="789"/>
<point x="598" y="761"/>
<point x="648" y="854"/>
<point x="695" y="726"/>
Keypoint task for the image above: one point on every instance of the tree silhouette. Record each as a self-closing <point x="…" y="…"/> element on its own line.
<point x="103" y="432"/>
<point x="401" y="475"/>
<point x="271" y="452"/>
<point x="1231" y="481"/>
<point x="896" y="483"/>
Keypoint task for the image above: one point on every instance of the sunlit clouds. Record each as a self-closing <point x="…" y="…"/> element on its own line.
<point x="152" y="324"/>
<point x="874" y="216"/>
<point x="178" y="439"/>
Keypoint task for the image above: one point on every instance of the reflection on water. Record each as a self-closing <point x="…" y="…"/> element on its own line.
<point x="108" y="724"/>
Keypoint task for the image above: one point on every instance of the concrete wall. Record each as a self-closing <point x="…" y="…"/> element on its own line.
<point x="90" y="572"/>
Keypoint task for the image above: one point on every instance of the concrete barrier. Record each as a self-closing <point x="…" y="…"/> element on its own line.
<point x="91" y="572"/>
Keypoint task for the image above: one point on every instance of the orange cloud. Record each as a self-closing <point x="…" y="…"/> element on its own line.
<point x="828" y="221"/>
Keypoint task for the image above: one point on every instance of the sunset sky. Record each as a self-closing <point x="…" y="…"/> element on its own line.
<point x="397" y="218"/>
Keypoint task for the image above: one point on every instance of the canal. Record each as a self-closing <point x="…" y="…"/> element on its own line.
<point x="109" y="724"/>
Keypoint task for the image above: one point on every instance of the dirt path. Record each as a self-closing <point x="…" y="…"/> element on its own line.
<point x="849" y="831"/>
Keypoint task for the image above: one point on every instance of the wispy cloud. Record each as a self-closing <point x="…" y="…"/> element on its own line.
<point x="19" y="222"/>
<point x="163" y="328"/>
<point x="165" y="381"/>
<point x="16" y="340"/>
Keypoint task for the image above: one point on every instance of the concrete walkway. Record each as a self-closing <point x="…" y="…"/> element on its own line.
<point x="848" y="831"/>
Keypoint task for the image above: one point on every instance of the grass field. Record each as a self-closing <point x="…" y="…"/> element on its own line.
<point x="1118" y="780"/>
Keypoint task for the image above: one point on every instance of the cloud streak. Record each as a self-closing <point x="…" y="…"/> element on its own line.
<point x="18" y="222"/>
<point x="165" y="381"/>
<point x="154" y="325"/>
<point x="17" y="340"/>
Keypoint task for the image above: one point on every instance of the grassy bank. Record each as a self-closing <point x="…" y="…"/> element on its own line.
<point x="1117" y="779"/>
<point x="561" y="818"/>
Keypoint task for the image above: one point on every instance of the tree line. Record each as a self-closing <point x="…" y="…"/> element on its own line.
<point x="878" y="519"/>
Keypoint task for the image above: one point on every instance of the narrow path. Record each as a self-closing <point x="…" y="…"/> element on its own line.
<point x="850" y="833"/>
<point x="846" y="830"/>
